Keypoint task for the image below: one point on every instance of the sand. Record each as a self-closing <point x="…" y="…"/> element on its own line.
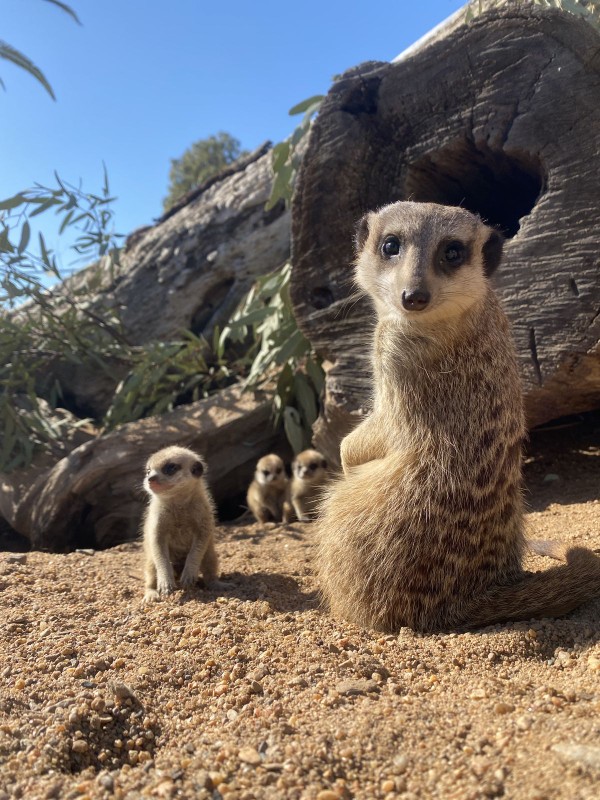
<point x="257" y="693"/>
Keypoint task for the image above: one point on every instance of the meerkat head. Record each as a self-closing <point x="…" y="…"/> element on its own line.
<point x="309" y="466"/>
<point x="173" y="471"/>
<point x="270" y="470"/>
<point x="422" y="262"/>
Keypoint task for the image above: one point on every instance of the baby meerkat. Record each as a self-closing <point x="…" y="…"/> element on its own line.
<point x="179" y="524"/>
<point x="267" y="494"/>
<point x="425" y="528"/>
<point x="309" y="474"/>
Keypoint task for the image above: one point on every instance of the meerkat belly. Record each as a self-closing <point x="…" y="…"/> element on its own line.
<point x="403" y="547"/>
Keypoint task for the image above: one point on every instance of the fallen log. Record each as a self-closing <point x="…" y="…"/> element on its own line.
<point x="501" y="116"/>
<point x="188" y="272"/>
<point x="93" y="496"/>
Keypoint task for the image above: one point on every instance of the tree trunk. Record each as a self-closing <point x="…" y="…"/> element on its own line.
<point x="92" y="497"/>
<point x="502" y="116"/>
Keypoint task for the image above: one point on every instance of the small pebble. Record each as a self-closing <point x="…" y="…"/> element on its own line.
<point x="16" y="558"/>
<point x="503" y="708"/>
<point x="250" y="756"/>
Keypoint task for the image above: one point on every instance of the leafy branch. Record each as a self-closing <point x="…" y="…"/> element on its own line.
<point x="13" y="56"/>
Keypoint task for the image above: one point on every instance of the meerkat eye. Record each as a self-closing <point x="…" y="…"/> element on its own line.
<point x="454" y="254"/>
<point x="170" y="468"/>
<point x="390" y="246"/>
<point x="266" y="472"/>
<point x="278" y="470"/>
<point x="313" y="465"/>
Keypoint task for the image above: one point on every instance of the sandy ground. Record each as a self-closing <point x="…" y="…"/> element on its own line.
<point x="257" y="693"/>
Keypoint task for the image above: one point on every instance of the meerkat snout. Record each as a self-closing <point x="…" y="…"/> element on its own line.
<point x="415" y="300"/>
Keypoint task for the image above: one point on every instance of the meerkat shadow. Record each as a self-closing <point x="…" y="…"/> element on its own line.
<point x="281" y="592"/>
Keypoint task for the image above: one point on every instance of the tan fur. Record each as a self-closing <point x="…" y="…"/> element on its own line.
<point x="425" y="528"/>
<point x="309" y="475"/>
<point x="267" y="494"/>
<point x="179" y="524"/>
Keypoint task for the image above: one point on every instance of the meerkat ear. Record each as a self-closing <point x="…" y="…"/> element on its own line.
<point x="361" y="232"/>
<point x="492" y="252"/>
<point x="197" y="469"/>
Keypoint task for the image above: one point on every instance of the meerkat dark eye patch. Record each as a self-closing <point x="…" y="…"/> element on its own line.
<point x="390" y="246"/>
<point x="313" y="465"/>
<point x="266" y="472"/>
<point x="197" y="469"/>
<point x="451" y="255"/>
<point x="170" y="468"/>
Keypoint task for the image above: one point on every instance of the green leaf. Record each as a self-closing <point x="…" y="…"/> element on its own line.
<point x="316" y="374"/>
<point x="15" y="57"/>
<point x="67" y="9"/>
<point x="12" y="202"/>
<point x="305" y="396"/>
<point x="292" y="425"/>
<point x="295" y="345"/>
<point x="25" y="234"/>
<point x="51" y="201"/>
<point x="315" y="100"/>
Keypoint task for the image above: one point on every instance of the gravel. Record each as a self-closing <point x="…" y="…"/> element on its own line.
<point x="256" y="693"/>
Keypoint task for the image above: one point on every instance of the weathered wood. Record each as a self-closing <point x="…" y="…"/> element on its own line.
<point x="187" y="272"/>
<point x="93" y="495"/>
<point x="501" y="116"/>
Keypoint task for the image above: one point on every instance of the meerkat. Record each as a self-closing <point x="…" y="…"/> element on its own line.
<point x="425" y="527"/>
<point x="267" y="494"/>
<point x="179" y="524"/>
<point x="309" y="474"/>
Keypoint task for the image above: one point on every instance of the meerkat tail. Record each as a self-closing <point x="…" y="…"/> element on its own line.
<point x="549" y="548"/>
<point x="551" y="593"/>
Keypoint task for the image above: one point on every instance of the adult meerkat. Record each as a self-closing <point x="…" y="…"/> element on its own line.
<point x="309" y="474"/>
<point x="425" y="528"/>
<point x="267" y="494"/>
<point x="179" y="524"/>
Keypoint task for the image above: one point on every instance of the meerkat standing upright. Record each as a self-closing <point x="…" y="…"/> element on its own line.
<point x="267" y="494"/>
<point x="179" y="524"/>
<point x="309" y="475"/>
<point x="425" y="528"/>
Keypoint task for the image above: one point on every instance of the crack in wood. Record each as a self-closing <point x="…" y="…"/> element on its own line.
<point x="534" y="356"/>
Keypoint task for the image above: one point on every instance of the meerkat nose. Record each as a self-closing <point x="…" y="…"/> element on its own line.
<point x="415" y="300"/>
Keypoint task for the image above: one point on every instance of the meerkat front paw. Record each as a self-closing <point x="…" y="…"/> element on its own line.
<point x="165" y="587"/>
<point x="150" y="596"/>
<point x="188" y="580"/>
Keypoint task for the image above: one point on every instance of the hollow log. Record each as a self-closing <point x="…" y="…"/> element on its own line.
<point x="93" y="496"/>
<point x="502" y="116"/>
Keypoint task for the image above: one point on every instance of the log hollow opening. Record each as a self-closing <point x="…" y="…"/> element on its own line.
<point x="501" y="188"/>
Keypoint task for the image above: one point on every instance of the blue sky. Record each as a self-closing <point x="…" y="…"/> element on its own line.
<point x="140" y="80"/>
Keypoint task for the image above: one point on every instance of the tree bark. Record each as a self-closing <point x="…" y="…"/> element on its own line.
<point x="93" y="496"/>
<point x="502" y="116"/>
